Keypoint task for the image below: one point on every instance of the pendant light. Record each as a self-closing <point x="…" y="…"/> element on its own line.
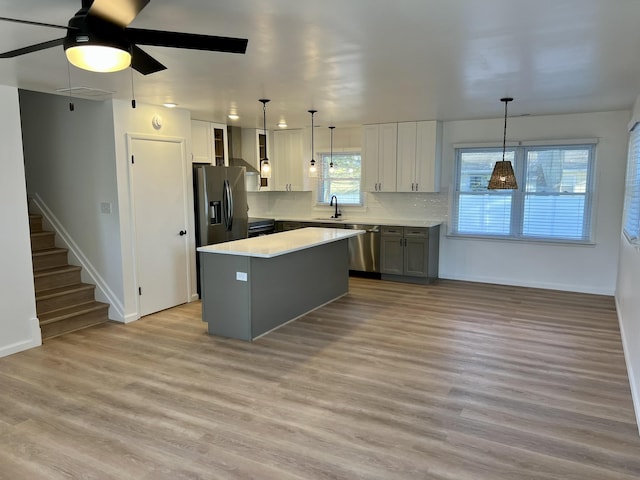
<point x="331" y="161"/>
<point x="265" y="167"/>
<point x="503" y="177"/>
<point x="313" y="171"/>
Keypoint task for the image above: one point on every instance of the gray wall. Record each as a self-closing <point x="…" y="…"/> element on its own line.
<point x="70" y="166"/>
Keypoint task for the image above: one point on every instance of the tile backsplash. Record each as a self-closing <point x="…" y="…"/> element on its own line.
<point x="414" y="206"/>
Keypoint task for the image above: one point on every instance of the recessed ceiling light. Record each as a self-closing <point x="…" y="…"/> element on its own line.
<point x="282" y="124"/>
<point x="233" y="116"/>
<point x="170" y="105"/>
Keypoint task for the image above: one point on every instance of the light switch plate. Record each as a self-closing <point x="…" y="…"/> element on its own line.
<point x="241" y="276"/>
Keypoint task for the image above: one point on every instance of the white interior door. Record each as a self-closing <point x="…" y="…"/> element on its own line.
<point x="159" y="203"/>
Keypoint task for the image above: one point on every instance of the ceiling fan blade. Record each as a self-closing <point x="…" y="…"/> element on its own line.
<point x="32" y="48"/>
<point x="120" y="12"/>
<point x="29" y="22"/>
<point x="144" y="63"/>
<point x="191" y="41"/>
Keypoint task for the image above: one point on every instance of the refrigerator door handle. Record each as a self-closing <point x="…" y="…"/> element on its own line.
<point x="225" y="205"/>
<point x="230" y="202"/>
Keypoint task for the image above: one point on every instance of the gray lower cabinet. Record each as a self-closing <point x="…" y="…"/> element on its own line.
<point x="409" y="253"/>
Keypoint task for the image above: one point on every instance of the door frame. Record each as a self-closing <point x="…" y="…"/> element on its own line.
<point x="130" y="137"/>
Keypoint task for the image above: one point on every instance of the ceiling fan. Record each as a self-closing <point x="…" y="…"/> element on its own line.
<point x="99" y="40"/>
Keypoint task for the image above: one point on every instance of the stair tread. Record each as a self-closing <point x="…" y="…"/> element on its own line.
<point x="48" y="251"/>
<point x="52" y="292"/>
<point x="72" y="311"/>
<point x="54" y="270"/>
<point x="42" y="233"/>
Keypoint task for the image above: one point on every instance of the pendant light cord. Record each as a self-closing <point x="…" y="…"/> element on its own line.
<point x="313" y="159"/>
<point x="506" y="101"/>
<point x="264" y="118"/>
<point x="264" y="102"/>
<point x="331" y="161"/>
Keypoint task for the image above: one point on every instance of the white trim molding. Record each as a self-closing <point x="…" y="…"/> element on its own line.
<point x="34" y="341"/>
<point x="635" y="393"/>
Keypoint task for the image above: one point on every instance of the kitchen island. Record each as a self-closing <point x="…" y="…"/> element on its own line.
<point x="255" y="285"/>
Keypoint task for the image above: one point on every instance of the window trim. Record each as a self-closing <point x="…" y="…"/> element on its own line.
<point x="518" y="197"/>
<point x="632" y="188"/>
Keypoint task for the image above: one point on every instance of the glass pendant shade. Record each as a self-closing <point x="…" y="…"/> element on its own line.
<point x="265" y="166"/>
<point x="503" y="176"/>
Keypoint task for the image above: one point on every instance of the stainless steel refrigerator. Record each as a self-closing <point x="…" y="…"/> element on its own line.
<point x="220" y="195"/>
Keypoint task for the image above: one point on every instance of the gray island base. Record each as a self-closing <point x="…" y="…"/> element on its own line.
<point x="255" y="285"/>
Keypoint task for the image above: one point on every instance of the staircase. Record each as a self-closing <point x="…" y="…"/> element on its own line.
<point x="63" y="303"/>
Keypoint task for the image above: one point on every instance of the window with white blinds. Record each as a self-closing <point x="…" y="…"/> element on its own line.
<point x="632" y="189"/>
<point x="552" y="202"/>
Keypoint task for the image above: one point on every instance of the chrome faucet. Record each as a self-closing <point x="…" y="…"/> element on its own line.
<point x="337" y="214"/>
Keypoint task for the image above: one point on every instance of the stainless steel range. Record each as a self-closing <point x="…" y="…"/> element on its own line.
<point x="261" y="226"/>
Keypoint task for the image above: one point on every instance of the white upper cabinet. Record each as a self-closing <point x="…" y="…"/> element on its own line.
<point x="201" y="143"/>
<point x="287" y="161"/>
<point x="419" y="156"/>
<point x="379" y="145"/>
<point x="209" y="143"/>
<point x="253" y="146"/>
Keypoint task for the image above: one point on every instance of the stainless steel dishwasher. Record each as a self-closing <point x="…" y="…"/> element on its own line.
<point x="364" y="250"/>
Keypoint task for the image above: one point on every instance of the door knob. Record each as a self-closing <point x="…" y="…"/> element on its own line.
<point x="183" y="232"/>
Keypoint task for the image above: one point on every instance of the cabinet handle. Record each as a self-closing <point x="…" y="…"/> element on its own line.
<point x="401" y="242"/>
<point x="412" y="186"/>
<point x="416" y="187"/>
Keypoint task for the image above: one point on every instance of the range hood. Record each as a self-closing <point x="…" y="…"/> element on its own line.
<point x="234" y="141"/>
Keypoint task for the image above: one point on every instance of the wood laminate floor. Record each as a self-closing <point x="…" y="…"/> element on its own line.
<point x="393" y="381"/>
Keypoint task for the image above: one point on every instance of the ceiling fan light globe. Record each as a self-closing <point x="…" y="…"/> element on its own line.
<point x="98" y="58"/>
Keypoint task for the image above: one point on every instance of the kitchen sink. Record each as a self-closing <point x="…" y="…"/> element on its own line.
<point x="329" y="219"/>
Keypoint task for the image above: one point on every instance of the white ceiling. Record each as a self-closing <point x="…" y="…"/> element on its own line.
<point x="361" y="61"/>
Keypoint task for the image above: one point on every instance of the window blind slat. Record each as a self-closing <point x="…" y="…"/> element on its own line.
<point x="632" y="189"/>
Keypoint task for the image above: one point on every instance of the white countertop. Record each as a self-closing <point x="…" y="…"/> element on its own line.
<point x="269" y="246"/>
<point x="353" y="220"/>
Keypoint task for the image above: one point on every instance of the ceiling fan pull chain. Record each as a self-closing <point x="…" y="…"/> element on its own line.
<point x="71" y="105"/>
<point x="133" y="92"/>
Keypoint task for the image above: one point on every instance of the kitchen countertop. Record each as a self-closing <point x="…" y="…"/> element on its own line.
<point x="351" y="220"/>
<point x="269" y="246"/>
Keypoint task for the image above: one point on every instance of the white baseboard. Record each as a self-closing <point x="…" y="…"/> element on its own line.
<point x="545" y="285"/>
<point x="35" y="340"/>
<point x="194" y="297"/>
<point x="635" y="393"/>
<point x="103" y="291"/>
